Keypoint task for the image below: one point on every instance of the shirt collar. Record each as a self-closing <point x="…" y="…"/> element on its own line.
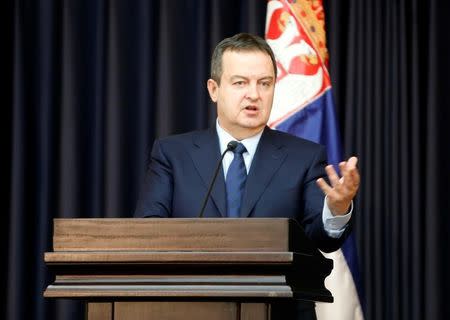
<point x="250" y="143"/>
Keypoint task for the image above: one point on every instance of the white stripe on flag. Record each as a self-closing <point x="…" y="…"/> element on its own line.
<point x="340" y="282"/>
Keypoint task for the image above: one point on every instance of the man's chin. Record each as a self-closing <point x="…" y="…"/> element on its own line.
<point x="253" y="126"/>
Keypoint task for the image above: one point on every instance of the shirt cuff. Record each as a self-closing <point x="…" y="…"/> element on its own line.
<point x="335" y="225"/>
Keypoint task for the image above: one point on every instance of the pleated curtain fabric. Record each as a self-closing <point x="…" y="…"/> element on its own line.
<point x="89" y="84"/>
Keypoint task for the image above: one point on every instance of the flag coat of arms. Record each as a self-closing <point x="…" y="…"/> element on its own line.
<point x="304" y="106"/>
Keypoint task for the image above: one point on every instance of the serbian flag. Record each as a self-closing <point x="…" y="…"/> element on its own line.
<point x="303" y="106"/>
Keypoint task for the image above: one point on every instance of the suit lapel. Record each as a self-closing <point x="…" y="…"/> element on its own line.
<point x="268" y="158"/>
<point x="206" y="155"/>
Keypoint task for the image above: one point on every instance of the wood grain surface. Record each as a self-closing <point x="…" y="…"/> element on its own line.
<point x="263" y="235"/>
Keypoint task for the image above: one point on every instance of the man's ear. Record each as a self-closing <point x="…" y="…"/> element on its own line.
<point x="212" y="89"/>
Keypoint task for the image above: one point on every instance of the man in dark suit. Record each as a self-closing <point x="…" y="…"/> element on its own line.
<point x="273" y="175"/>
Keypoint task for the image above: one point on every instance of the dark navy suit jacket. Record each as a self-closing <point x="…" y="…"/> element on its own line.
<point x="281" y="181"/>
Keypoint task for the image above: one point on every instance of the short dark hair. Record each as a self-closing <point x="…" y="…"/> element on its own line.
<point x="239" y="42"/>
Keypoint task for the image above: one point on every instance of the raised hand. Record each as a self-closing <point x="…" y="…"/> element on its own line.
<point x="342" y="189"/>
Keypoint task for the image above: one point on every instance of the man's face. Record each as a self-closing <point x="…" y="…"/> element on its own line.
<point x="245" y="94"/>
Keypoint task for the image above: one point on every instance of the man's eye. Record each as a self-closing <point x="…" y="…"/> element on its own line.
<point x="266" y="84"/>
<point x="239" y="83"/>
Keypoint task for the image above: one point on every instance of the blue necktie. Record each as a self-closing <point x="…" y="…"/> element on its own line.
<point x="235" y="182"/>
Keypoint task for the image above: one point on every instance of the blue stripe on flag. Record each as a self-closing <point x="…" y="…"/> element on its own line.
<point x="317" y="122"/>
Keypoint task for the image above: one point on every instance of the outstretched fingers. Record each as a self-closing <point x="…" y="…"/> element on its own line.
<point x="350" y="174"/>
<point x="341" y="189"/>
<point x="323" y="185"/>
<point x="332" y="175"/>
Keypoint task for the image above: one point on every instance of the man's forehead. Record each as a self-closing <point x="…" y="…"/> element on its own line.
<point x="230" y="53"/>
<point x="236" y="63"/>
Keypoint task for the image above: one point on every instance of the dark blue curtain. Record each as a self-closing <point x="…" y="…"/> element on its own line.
<point x="89" y="84"/>
<point x="390" y="69"/>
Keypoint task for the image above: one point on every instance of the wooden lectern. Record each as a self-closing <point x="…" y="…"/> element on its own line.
<point x="184" y="268"/>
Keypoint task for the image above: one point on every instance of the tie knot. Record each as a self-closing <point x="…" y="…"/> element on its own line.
<point x="240" y="149"/>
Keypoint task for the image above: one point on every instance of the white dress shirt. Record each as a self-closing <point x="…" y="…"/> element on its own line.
<point x="333" y="225"/>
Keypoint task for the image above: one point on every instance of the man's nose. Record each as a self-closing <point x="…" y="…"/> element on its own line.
<point x="253" y="92"/>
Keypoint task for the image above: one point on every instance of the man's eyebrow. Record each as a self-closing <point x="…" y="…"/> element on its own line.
<point x="234" y="77"/>
<point x="266" y="78"/>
